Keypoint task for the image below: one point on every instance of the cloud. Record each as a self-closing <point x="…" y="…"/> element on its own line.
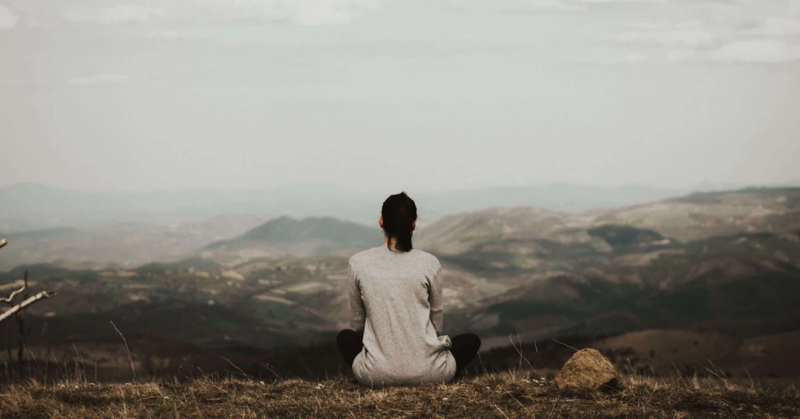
<point x="301" y="12"/>
<point x="684" y="55"/>
<point x="8" y="20"/>
<point x="123" y="13"/>
<point x="173" y="35"/>
<point x="629" y="58"/>
<point x="309" y="12"/>
<point x="617" y="1"/>
<point x="105" y="78"/>
<point x="693" y="34"/>
<point x="326" y="12"/>
<point x="553" y="6"/>
<point x="773" y="26"/>
<point x="766" y="51"/>
<point x="610" y="58"/>
<point x="721" y="31"/>
<point x="515" y="6"/>
<point x="527" y="6"/>
<point x="794" y="7"/>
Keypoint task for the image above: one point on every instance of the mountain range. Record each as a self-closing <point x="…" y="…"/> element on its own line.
<point x="35" y="207"/>
<point x="98" y="229"/>
<point x="724" y="262"/>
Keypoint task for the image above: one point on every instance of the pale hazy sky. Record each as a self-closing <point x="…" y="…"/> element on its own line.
<point x="417" y="94"/>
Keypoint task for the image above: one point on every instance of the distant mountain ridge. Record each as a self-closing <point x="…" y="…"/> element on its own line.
<point x="309" y="236"/>
<point x="686" y="217"/>
<point x="124" y="244"/>
<point x="690" y="217"/>
<point x="726" y="262"/>
<point x="289" y="229"/>
<point x="33" y="207"/>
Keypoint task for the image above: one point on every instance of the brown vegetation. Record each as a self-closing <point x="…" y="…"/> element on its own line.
<point x="587" y="368"/>
<point x="502" y="395"/>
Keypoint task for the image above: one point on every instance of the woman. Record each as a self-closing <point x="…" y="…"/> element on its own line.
<point x="396" y="301"/>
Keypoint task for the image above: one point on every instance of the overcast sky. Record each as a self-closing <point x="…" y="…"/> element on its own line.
<point x="414" y="94"/>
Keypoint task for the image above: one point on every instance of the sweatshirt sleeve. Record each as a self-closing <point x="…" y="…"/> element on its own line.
<point x="435" y="300"/>
<point x="356" y="304"/>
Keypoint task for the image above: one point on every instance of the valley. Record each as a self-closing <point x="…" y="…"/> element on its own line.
<point x="642" y="281"/>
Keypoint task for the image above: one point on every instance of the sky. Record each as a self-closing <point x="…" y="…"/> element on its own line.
<point x="115" y="95"/>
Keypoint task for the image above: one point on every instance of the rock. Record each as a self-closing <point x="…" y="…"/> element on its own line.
<point x="587" y="369"/>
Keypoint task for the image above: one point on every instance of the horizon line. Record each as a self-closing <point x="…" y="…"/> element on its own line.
<point x="700" y="187"/>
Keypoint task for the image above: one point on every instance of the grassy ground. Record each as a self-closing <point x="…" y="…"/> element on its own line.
<point x="501" y="395"/>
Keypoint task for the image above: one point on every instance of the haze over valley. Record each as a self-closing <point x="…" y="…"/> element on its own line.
<point x="131" y="229"/>
<point x="712" y="268"/>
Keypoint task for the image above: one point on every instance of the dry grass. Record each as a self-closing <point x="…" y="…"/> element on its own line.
<point x="502" y="395"/>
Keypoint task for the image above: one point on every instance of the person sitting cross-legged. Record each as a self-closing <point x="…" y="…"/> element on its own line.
<point x="396" y="303"/>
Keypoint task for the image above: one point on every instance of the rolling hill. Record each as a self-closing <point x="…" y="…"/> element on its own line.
<point x="125" y="245"/>
<point x="733" y="269"/>
<point x="29" y="206"/>
<point x="287" y="236"/>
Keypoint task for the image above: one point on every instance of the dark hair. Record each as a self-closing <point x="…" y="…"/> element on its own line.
<point x="399" y="213"/>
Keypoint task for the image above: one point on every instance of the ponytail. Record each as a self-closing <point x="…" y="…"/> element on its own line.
<point x="399" y="213"/>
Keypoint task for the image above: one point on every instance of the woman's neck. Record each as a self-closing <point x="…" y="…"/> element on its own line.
<point x="386" y="241"/>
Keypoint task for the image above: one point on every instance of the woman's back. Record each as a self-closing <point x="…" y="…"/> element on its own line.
<point x="396" y="299"/>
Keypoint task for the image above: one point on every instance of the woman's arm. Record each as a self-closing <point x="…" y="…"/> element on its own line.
<point x="435" y="300"/>
<point x="356" y="304"/>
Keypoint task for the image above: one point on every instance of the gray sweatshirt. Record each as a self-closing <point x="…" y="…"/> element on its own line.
<point x="396" y="299"/>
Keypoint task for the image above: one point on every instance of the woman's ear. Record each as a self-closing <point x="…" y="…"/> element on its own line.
<point x="380" y="221"/>
<point x="414" y="225"/>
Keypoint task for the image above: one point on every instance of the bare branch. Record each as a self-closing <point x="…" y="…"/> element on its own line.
<point x="8" y="300"/>
<point x="40" y="296"/>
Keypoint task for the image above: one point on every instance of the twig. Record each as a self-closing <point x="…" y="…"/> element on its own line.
<point x="130" y="358"/>
<point x="33" y="356"/>
<point x="480" y="361"/>
<point x="229" y="361"/>
<point x="538" y="355"/>
<point x="77" y="360"/>
<point x="29" y="301"/>
<point x="519" y="351"/>
<point x="24" y="286"/>
<point x="500" y="410"/>
<point x="270" y="370"/>
<point x="520" y="403"/>
<point x="20" y="315"/>
<point x="553" y="412"/>
<point x="10" y="298"/>
<point x="562" y="343"/>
